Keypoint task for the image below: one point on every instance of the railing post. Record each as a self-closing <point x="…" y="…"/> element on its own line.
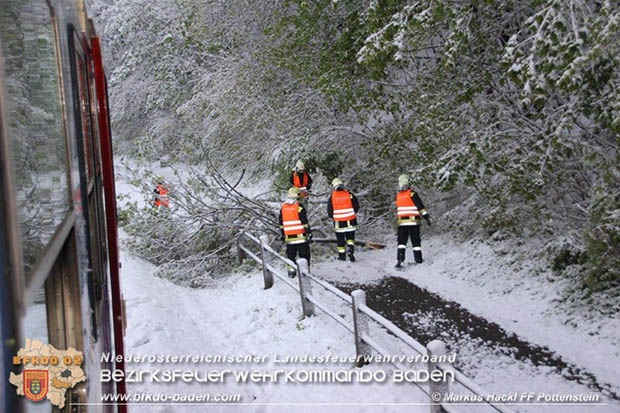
<point x="304" y="287"/>
<point x="438" y="390"/>
<point x="360" y="327"/>
<point x="241" y="255"/>
<point x="267" y="275"/>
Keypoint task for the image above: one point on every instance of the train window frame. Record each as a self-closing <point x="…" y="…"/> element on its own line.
<point x="9" y="207"/>
<point x="64" y="266"/>
<point x="34" y="279"/>
<point x="78" y="59"/>
<point x="61" y="94"/>
<point x="12" y="279"/>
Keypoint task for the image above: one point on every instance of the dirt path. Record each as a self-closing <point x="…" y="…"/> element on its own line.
<point x="426" y="316"/>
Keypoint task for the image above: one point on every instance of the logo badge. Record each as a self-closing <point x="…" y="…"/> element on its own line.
<point x="36" y="384"/>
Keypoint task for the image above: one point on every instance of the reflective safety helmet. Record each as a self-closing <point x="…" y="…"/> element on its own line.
<point x="293" y="192"/>
<point x="337" y="182"/>
<point x="403" y="181"/>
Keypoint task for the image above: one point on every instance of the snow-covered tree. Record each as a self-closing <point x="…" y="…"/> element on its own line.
<point x="506" y="111"/>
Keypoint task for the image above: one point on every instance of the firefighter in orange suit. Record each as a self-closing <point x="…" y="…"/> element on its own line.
<point x="301" y="179"/>
<point x="161" y="195"/>
<point x="342" y="207"/>
<point x="296" y="232"/>
<point x="409" y="208"/>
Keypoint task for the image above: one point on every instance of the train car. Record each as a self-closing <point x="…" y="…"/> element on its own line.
<point x="59" y="264"/>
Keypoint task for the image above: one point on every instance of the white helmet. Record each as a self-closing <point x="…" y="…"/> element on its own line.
<point x="300" y="165"/>
<point x="337" y="182"/>
<point x="403" y="181"/>
<point x="293" y="192"/>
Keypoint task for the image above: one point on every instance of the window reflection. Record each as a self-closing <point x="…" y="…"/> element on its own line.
<point x="35" y="321"/>
<point x="35" y="122"/>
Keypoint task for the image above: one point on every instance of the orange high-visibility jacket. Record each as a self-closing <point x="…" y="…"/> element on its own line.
<point x="161" y="199"/>
<point x="291" y="222"/>
<point x="342" y="206"/>
<point x="300" y="182"/>
<point x="405" y="207"/>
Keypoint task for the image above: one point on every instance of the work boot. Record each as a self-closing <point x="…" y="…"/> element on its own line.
<point x="399" y="264"/>
<point x="292" y="273"/>
<point x="342" y="256"/>
<point x="350" y="252"/>
<point x="417" y="255"/>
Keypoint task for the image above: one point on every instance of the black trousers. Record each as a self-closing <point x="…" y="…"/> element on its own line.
<point x="406" y="232"/>
<point x="303" y="250"/>
<point x="343" y="238"/>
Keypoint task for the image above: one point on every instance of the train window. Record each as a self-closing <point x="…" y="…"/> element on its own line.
<point x="94" y="117"/>
<point x="35" y="122"/>
<point x="85" y="112"/>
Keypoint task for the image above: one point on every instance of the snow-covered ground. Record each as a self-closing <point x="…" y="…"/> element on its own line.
<point x="236" y="316"/>
<point x="488" y="284"/>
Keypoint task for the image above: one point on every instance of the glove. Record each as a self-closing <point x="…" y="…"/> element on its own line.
<point x="310" y="236"/>
<point x="282" y="237"/>
<point x="427" y="218"/>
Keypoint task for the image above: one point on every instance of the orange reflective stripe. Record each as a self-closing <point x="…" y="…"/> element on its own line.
<point x="342" y="206"/>
<point x="290" y="220"/>
<point x="405" y="207"/>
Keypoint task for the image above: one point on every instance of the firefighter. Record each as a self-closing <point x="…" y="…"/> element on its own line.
<point x="296" y="232"/>
<point x="342" y="207"/>
<point x="161" y="195"/>
<point x="409" y="208"/>
<point x="301" y="179"/>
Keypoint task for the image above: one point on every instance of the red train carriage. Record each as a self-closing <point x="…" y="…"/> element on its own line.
<point x="59" y="280"/>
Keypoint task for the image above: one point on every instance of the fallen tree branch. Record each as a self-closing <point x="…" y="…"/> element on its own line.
<point x="368" y="244"/>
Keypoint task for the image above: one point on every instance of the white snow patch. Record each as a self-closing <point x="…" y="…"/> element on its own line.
<point x="238" y="317"/>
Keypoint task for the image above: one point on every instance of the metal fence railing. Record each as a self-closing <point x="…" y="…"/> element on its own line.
<point x="438" y="392"/>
